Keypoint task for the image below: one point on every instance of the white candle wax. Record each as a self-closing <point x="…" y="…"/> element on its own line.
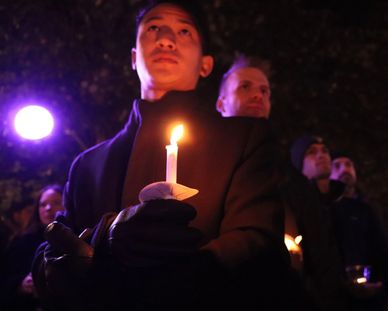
<point x="171" y="165"/>
<point x="172" y="154"/>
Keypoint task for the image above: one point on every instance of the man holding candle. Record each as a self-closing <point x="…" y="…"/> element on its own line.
<point x="160" y="251"/>
<point x="360" y="237"/>
<point x="245" y="91"/>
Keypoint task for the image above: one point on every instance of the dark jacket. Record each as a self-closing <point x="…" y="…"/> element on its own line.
<point x="17" y="265"/>
<point x="360" y="236"/>
<point x="361" y="241"/>
<point x="232" y="162"/>
<point x="321" y="271"/>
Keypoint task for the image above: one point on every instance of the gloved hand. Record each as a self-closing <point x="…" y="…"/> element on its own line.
<point x="65" y="260"/>
<point x="65" y="242"/>
<point x="154" y="233"/>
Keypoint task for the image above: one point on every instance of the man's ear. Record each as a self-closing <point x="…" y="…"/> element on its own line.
<point x="220" y="104"/>
<point x="133" y="58"/>
<point x="206" y="66"/>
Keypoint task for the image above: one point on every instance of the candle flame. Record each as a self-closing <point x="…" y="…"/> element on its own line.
<point x="361" y="280"/>
<point x="176" y="134"/>
<point x="298" y="239"/>
<point x="291" y="244"/>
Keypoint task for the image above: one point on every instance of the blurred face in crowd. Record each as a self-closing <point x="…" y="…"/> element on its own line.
<point x="246" y="92"/>
<point x="343" y="169"/>
<point x="316" y="162"/>
<point x="22" y="218"/>
<point x="168" y="54"/>
<point x="49" y="204"/>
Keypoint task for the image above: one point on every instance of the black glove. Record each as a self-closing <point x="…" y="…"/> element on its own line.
<point x="63" y="241"/>
<point x="154" y="233"/>
<point x="62" y="265"/>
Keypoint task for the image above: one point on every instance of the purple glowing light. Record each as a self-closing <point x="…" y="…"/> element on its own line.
<point x="33" y="122"/>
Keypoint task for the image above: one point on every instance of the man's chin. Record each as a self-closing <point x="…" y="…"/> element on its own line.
<point x="164" y="78"/>
<point x="348" y="180"/>
<point x="255" y="113"/>
<point x="322" y="177"/>
<point x="323" y="174"/>
<point x="163" y="72"/>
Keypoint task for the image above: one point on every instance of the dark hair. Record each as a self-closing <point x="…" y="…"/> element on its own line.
<point x="335" y="154"/>
<point x="17" y="206"/>
<point x="243" y="61"/>
<point x="35" y="222"/>
<point x="340" y="154"/>
<point x="191" y="7"/>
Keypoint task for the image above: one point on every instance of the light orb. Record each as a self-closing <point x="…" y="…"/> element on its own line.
<point x="33" y="122"/>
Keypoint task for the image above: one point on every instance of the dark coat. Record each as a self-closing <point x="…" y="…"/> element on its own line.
<point x="361" y="241"/>
<point x="232" y="162"/>
<point x="17" y="265"/>
<point x="360" y="236"/>
<point x="322" y="266"/>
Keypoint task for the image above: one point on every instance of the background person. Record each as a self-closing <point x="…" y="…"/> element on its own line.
<point x="245" y="91"/>
<point x="15" y="220"/>
<point x="18" y="290"/>
<point x="360" y="237"/>
<point x="310" y="195"/>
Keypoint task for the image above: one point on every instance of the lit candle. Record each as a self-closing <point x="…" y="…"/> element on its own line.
<point x="172" y="154"/>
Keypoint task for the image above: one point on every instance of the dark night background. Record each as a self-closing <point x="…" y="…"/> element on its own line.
<point x="329" y="66"/>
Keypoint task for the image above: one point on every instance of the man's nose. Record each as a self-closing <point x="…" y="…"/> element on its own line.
<point x="48" y="207"/>
<point x="166" y="39"/>
<point x="322" y="154"/>
<point x="344" y="169"/>
<point x="257" y="93"/>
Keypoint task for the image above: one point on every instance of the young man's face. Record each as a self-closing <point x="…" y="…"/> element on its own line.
<point x="342" y="169"/>
<point x="168" y="54"/>
<point x="245" y="93"/>
<point x="316" y="162"/>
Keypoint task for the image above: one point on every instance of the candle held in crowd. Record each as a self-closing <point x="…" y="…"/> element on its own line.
<point x="172" y="154"/>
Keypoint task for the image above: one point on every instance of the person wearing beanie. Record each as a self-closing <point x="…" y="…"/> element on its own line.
<point x="311" y="156"/>
<point x="360" y="237"/>
<point x="245" y="92"/>
<point x="309" y="194"/>
<point x="299" y="148"/>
